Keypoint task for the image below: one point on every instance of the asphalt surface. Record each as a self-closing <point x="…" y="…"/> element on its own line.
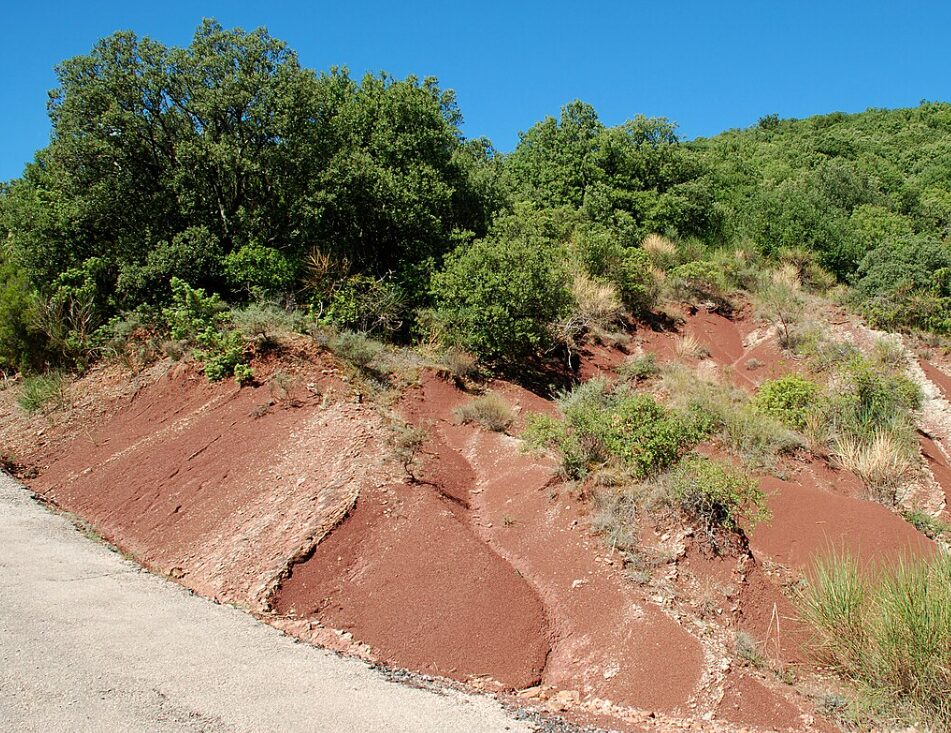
<point x="89" y="641"/>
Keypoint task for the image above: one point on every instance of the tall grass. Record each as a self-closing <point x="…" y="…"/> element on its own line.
<point x="490" y="411"/>
<point x="890" y="634"/>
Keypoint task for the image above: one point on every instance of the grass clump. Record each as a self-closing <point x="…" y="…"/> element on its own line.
<point x="890" y="634"/>
<point x="639" y="368"/>
<point x="882" y="462"/>
<point x="490" y="411"/>
<point x="605" y="426"/>
<point x="461" y="365"/>
<point x="717" y="495"/>
<point x="39" y="391"/>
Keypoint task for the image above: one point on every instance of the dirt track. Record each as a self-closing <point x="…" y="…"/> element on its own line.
<point x="89" y="641"/>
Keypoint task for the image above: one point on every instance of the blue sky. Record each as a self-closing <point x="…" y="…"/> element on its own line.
<point x="709" y="66"/>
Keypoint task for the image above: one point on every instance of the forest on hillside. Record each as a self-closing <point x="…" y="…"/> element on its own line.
<point x="179" y="180"/>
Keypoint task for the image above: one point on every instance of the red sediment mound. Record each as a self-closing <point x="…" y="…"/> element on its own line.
<point x="720" y="335"/>
<point x="747" y="702"/>
<point x="809" y="522"/>
<point x="405" y="575"/>
<point x="938" y="464"/>
<point x="186" y="478"/>
<point x="608" y="641"/>
<point x="942" y="380"/>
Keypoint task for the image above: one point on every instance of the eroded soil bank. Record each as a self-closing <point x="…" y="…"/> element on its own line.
<point x="479" y="563"/>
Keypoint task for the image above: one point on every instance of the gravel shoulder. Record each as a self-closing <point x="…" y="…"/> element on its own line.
<point x="90" y="641"/>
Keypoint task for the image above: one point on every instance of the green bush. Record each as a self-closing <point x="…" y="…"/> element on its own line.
<point x="698" y="281"/>
<point x="716" y="495"/>
<point x="367" y="305"/>
<point x="604" y="427"/>
<point x="21" y="346"/>
<point x="497" y="297"/>
<point x="260" y="272"/>
<point x="902" y="284"/>
<point x="358" y="349"/>
<point x="636" y="283"/>
<point x="888" y="632"/>
<point x="789" y="399"/>
<point x="203" y="321"/>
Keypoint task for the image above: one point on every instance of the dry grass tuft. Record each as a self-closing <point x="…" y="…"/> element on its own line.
<point x="598" y="302"/>
<point x="490" y="411"/>
<point x="659" y="247"/>
<point x="690" y="346"/>
<point x="881" y="463"/>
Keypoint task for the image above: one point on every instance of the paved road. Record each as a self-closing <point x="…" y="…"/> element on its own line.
<point x="90" y="642"/>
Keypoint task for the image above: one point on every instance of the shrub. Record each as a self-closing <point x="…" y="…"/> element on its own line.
<point x="890" y="633"/>
<point x="697" y="282"/>
<point x="603" y="427"/>
<point x="260" y="272"/>
<point x="41" y="390"/>
<point x="490" y="411"/>
<point x="460" y="364"/>
<point x="497" y="297"/>
<point x="789" y="399"/>
<point x="263" y="322"/>
<point x="639" y="368"/>
<point x="637" y="281"/>
<point x="755" y="437"/>
<point x="716" y="495"/>
<point x="202" y="320"/>
<point x="358" y="349"/>
<point x="366" y="305"/>
<point x="780" y="302"/>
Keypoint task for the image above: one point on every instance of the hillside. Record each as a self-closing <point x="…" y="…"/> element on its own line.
<point x="650" y="434"/>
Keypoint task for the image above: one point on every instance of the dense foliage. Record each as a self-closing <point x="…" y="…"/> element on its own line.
<point x="229" y="167"/>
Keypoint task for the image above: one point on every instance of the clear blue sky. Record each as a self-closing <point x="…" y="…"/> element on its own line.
<point x="708" y="65"/>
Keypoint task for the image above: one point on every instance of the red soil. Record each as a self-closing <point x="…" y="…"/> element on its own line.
<point x="748" y="702"/>
<point x="608" y="642"/>
<point x="939" y="466"/>
<point x="406" y="576"/>
<point x="188" y="481"/>
<point x="810" y="522"/>
<point x="942" y="380"/>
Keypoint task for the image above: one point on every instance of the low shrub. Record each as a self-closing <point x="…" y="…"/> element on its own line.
<point x="697" y="283"/>
<point x="789" y="399"/>
<point x="40" y="391"/>
<point x="204" y="321"/>
<point x="927" y="524"/>
<point x="716" y="495"/>
<point x="358" y="349"/>
<point x="890" y="633"/>
<point x="460" y="364"/>
<point x="639" y="368"/>
<point x="490" y="411"/>
<point x="604" y="426"/>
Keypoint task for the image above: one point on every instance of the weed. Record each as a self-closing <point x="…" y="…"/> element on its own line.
<point x="41" y="391"/>
<point x="490" y="411"/>
<point x="748" y="650"/>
